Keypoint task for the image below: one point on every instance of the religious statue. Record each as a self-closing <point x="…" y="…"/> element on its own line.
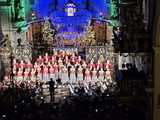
<point x="48" y="32"/>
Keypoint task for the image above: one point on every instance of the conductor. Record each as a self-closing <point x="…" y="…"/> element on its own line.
<point x="52" y="89"/>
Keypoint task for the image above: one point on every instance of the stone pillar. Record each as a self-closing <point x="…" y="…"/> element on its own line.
<point x="156" y="105"/>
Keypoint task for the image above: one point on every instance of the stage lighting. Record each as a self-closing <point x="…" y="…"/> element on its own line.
<point x="70" y="9"/>
<point x="42" y="98"/>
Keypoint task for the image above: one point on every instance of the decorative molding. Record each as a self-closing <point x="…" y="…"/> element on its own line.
<point x="158" y="33"/>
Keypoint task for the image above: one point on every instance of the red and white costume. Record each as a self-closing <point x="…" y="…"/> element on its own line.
<point x="65" y="77"/>
<point x="45" y="73"/>
<point x="87" y="76"/>
<point x="53" y="59"/>
<point x="36" y="65"/>
<point x="101" y="75"/>
<point x="40" y="59"/>
<point x="108" y="65"/>
<point x="91" y="65"/>
<point x="56" y="68"/>
<point x="77" y="64"/>
<point x="62" y="54"/>
<point x="60" y="64"/>
<point x="99" y="65"/>
<point x="29" y="64"/>
<point x="73" y="59"/>
<point x="15" y="63"/>
<point x="84" y="65"/>
<point x="26" y="75"/>
<point x="66" y="59"/>
<point x="52" y="73"/>
<point x="22" y="64"/>
<point x="79" y="59"/>
<point x="46" y="59"/>
<point x="33" y="74"/>
<point x="39" y="73"/>
<point x="108" y="75"/>
<point x="94" y="75"/>
<point x="80" y="74"/>
<point x="14" y="72"/>
<point x="20" y="74"/>
<point x="72" y="75"/>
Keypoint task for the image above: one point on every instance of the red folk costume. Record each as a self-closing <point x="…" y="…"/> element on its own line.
<point x="36" y="65"/>
<point x="108" y="65"/>
<point x="84" y="65"/>
<point x="15" y="63"/>
<point x="79" y="59"/>
<point x="29" y="64"/>
<point x="39" y="73"/>
<point x="51" y="70"/>
<point x="108" y="75"/>
<point x="33" y="74"/>
<point x="20" y="74"/>
<point x="14" y="70"/>
<point x="99" y="65"/>
<point x="45" y="70"/>
<point x="22" y="64"/>
<point x="53" y="59"/>
<point x="73" y="59"/>
<point x="26" y="75"/>
<point x="62" y="54"/>
<point x="39" y="70"/>
<point x="66" y="59"/>
<point x="87" y="76"/>
<point x="46" y="58"/>
<point x="91" y="65"/>
<point x="40" y="59"/>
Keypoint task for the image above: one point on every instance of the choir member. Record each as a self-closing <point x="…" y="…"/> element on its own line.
<point x="84" y="65"/>
<point x="39" y="73"/>
<point x="77" y="64"/>
<point x="45" y="73"/>
<point x="46" y="58"/>
<point x="15" y="63"/>
<point x="22" y="64"/>
<point x="26" y="74"/>
<point x="28" y="64"/>
<point x="65" y="77"/>
<point x="91" y="65"/>
<point x="40" y="59"/>
<point x="99" y="65"/>
<point x="14" y="71"/>
<point x="56" y="68"/>
<point x="87" y="76"/>
<point x="94" y="75"/>
<point x="63" y="54"/>
<point x="20" y="74"/>
<point x="108" y="75"/>
<point x="52" y="73"/>
<point x="33" y="74"/>
<point x="53" y="59"/>
<point x="73" y="58"/>
<point x="79" y="59"/>
<point x="66" y="59"/>
<point x="101" y="75"/>
<point x="80" y="73"/>
<point x="36" y="65"/>
<point x="108" y="65"/>
<point x="72" y="75"/>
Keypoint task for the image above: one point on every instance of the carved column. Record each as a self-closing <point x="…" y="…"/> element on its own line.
<point x="156" y="107"/>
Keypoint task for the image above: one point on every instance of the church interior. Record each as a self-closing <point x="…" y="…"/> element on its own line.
<point x="79" y="59"/>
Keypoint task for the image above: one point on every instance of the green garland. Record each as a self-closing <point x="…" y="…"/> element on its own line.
<point x="114" y="9"/>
